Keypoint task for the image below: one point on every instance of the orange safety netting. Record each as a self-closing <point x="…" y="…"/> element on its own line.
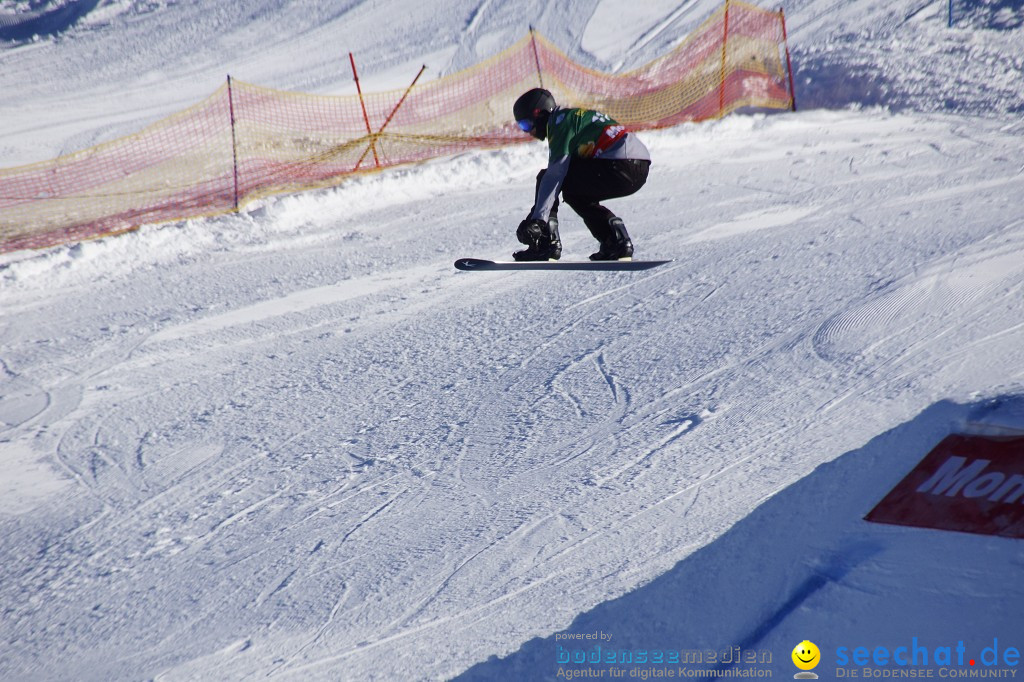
<point x="245" y="142"/>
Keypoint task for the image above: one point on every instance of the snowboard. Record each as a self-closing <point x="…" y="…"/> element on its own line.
<point x="471" y="264"/>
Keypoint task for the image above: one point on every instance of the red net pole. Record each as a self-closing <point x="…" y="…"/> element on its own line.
<point x="536" y="56"/>
<point x="725" y="43"/>
<point x="394" y="111"/>
<point x="404" y="95"/>
<point x="234" y="139"/>
<point x="362" y="103"/>
<point x="789" y="62"/>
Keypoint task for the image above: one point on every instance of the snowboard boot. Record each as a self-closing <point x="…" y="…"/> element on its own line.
<point x="547" y="247"/>
<point x="615" y="243"/>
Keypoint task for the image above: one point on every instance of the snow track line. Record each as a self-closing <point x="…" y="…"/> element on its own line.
<point x="913" y="13"/>
<point x="476" y="18"/>
<point x="955" y="286"/>
<point x="416" y="609"/>
<point x="578" y="445"/>
<point x="317" y="636"/>
<point x="369" y="517"/>
<point x="438" y="622"/>
<point x="613" y="384"/>
<point x="233" y="518"/>
<point x="648" y="36"/>
<point x="291" y="304"/>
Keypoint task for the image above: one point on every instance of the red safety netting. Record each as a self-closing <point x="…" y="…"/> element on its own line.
<point x="245" y="142"/>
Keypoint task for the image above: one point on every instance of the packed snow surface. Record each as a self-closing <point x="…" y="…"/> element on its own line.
<point x="296" y="443"/>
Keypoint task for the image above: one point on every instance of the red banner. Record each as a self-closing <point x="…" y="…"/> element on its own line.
<point x="972" y="484"/>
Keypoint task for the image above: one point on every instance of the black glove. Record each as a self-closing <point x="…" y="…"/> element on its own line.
<point x="530" y="231"/>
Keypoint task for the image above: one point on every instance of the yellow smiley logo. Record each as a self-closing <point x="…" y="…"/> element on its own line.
<point x="806" y="655"/>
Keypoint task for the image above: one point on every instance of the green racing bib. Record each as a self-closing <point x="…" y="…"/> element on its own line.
<point x="583" y="133"/>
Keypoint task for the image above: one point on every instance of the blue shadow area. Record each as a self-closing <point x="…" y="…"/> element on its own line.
<point x="715" y="609"/>
<point x="25" y="26"/>
<point x="994" y="15"/>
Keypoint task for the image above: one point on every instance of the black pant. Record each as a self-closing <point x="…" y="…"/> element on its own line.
<point x="591" y="181"/>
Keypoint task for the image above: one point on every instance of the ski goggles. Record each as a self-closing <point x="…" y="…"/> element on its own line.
<point x="526" y="125"/>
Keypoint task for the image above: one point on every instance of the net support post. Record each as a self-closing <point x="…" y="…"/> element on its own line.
<point x="392" y="114"/>
<point x="234" y="139"/>
<point x="725" y="44"/>
<point x="536" y="56"/>
<point x="789" y="62"/>
<point x="362" y="103"/>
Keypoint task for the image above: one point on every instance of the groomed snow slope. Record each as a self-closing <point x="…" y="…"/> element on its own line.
<point x="295" y="443"/>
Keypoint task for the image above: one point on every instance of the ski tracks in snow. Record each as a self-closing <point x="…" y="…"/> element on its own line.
<point x="313" y="460"/>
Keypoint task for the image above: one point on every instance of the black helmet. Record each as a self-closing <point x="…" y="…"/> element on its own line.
<point x="531" y="111"/>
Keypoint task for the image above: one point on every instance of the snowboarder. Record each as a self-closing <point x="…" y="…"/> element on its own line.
<point x="592" y="158"/>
